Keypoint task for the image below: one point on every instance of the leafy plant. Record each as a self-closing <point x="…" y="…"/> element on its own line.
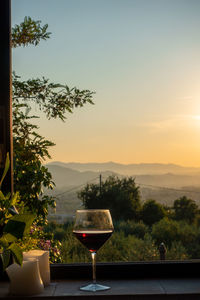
<point x="13" y="226"/>
<point x="55" y="100"/>
<point x="42" y="240"/>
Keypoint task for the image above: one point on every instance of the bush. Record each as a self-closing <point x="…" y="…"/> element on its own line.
<point x="185" y="209"/>
<point x="118" y="248"/>
<point x="177" y="252"/>
<point x="189" y="235"/>
<point x="139" y="229"/>
<point x="39" y="239"/>
<point x="59" y="234"/>
<point x="152" y="212"/>
<point x="165" y="231"/>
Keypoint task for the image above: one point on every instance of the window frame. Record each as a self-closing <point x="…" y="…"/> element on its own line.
<point x="125" y="270"/>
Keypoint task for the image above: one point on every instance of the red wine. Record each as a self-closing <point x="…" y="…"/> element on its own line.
<point x="93" y="239"/>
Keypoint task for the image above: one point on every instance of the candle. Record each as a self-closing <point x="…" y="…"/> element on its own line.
<point x="25" y="280"/>
<point x="43" y="258"/>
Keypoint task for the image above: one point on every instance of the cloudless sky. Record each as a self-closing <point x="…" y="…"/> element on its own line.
<point x="141" y="57"/>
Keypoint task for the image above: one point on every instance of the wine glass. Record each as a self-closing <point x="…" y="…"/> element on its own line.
<point x="92" y="228"/>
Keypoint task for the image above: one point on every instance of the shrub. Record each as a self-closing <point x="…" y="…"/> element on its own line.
<point x="152" y="212"/>
<point x="139" y="229"/>
<point x="177" y="252"/>
<point x="118" y="248"/>
<point x="165" y="231"/>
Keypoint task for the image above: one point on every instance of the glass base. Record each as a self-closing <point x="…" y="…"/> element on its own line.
<point x="94" y="287"/>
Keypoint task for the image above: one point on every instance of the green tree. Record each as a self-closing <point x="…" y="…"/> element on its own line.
<point x="30" y="148"/>
<point x="139" y="229"/>
<point x="118" y="248"/>
<point x="185" y="209"/>
<point x="189" y="236"/>
<point x="165" y="231"/>
<point x="177" y="252"/>
<point x="152" y="212"/>
<point x="121" y="196"/>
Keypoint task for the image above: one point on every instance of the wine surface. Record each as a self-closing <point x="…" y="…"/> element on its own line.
<point x="93" y="239"/>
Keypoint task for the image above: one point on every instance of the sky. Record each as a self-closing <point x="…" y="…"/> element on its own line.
<point x="142" y="60"/>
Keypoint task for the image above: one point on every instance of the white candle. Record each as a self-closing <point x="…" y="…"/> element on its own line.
<point x="43" y="258"/>
<point x="25" y="280"/>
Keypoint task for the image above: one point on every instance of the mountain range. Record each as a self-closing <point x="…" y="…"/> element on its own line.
<point x="164" y="183"/>
<point x="64" y="176"/>
<point x="169" y="175"/>
<point x="128" y="169"/>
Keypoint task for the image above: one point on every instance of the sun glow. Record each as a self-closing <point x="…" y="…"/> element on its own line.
<point x="197" y="117"/>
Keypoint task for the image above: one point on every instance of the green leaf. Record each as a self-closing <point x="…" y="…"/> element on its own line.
<point x="2" y="197"/>
<point x="3" y="242"/>
<point x="8" y="238"/>
<point x="5" y="256"/>
<point x="19" y="225"/>
<point x="14" y="199"/>
<point x="7" y="165"/>
<point x="17" y="253"/>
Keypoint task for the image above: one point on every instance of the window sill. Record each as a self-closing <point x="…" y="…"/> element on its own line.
<point x="137" y="289"/>
<point x="136" y="280"/>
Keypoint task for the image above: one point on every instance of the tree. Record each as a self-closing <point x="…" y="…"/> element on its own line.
<point x="152" y="212"/>
<point x="185" y="209"/>
<point x="121" y="196"/>
<point x="165" y="231"/>
<point x="139" y="229"/>
<point x="30" y="148"/>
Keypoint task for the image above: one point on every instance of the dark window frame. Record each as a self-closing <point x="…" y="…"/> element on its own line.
<point x="125" y="270"/>
<point x="121" y="270"/>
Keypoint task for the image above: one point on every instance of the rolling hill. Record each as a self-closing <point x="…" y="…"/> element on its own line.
<point x="130" y="169"/>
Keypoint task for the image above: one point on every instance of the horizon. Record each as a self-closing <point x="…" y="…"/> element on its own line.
<point x="124" y="164"/>
<point x="142" y="60"/>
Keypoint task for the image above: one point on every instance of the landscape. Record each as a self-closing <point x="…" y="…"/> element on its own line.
<point x="161" y="182"/>
<point x="105" y="104"/>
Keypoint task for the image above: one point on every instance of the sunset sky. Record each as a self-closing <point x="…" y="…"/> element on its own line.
<point x="142" y="59"/>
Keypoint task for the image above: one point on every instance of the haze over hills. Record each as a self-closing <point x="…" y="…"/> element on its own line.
<point x="156" y="181"/>
<point x="64" y="176"/>
<point x="129" y="169"/>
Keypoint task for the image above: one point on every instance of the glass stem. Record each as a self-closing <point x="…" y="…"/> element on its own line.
<point x="93" y="266"/>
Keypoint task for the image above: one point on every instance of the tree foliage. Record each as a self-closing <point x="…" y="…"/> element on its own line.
<point x="29" y="32"/>
<point x="54" y="99"/>
<point x="185" y="209"/>
<point x="152" y="212"/>
<point x="139" y="229"/>
<point x="30" y="148"/>
<point x="165" y="231"/>
<point x="121" y="196"/>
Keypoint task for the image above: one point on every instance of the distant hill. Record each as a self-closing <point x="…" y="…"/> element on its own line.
<point x="65" y="177"/>
<point x="154" y="180"/>
<point x="169" y="180"/>
<point x="130" y="169"/>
